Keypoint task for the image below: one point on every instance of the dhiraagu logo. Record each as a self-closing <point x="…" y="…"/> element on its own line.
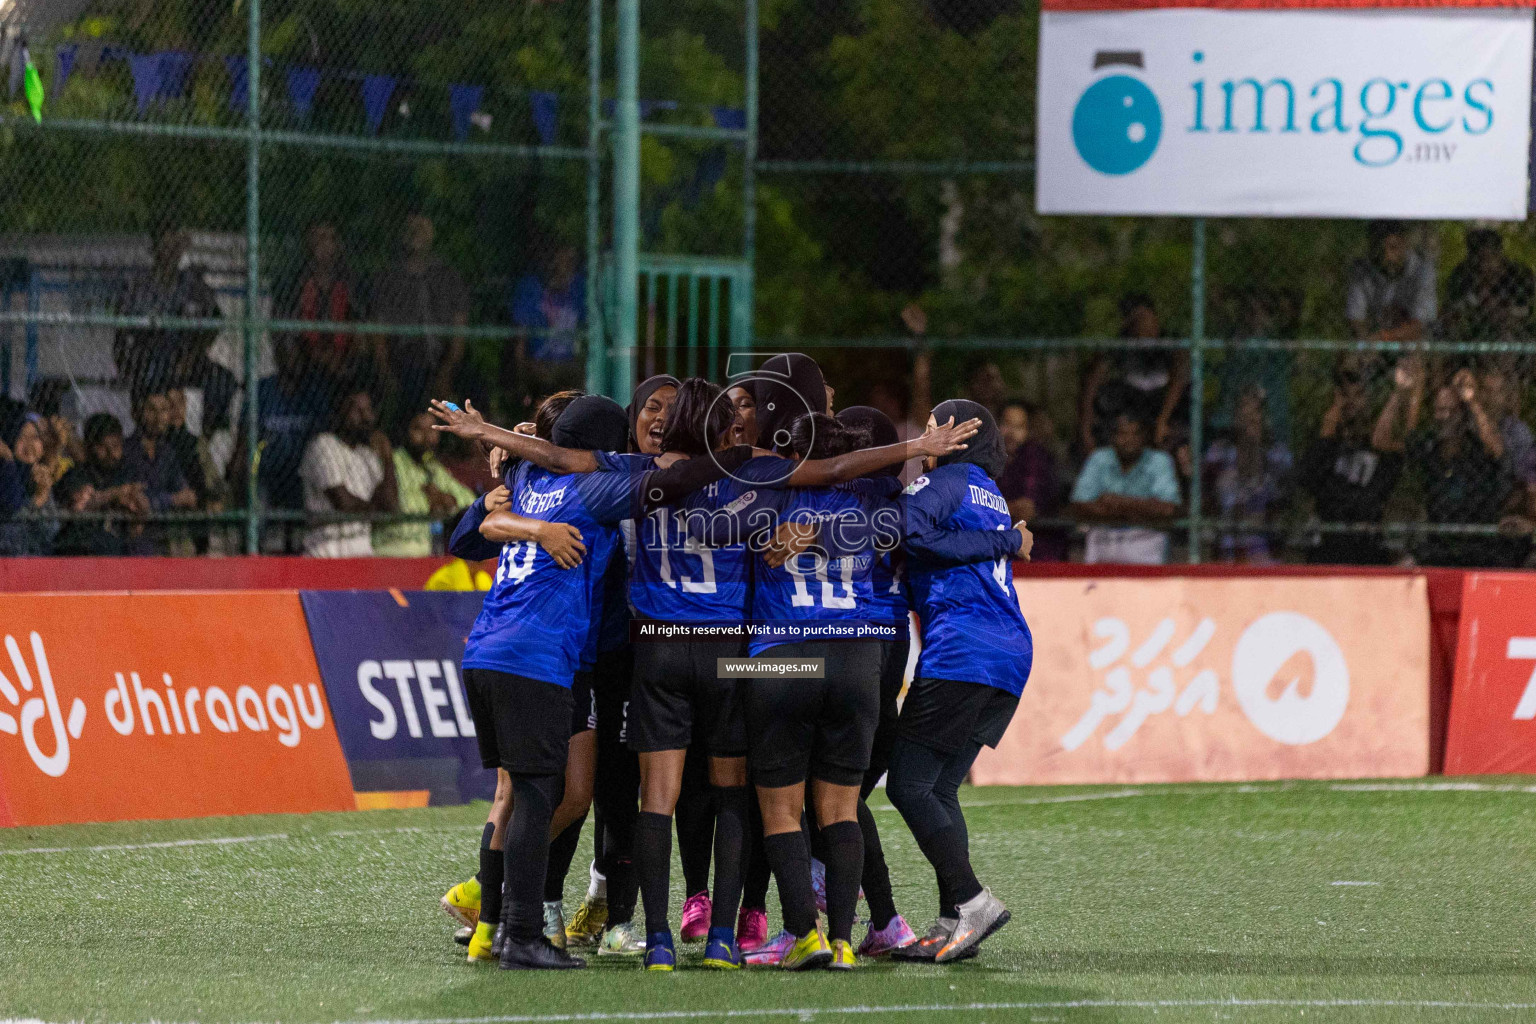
<point x="1118" y="121"/>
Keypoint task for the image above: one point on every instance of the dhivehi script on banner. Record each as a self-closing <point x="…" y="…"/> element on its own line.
<point x="1303" y="112"/>
<point x="1209" y="680"/>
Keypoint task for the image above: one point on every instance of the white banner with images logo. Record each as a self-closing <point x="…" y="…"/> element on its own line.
<point x="1318" y="113"/>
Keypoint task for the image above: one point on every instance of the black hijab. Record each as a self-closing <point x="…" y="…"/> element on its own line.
<point x="592" y="423"/>
<point x="986" y="448"/>
<point x="882" y="431"/>
<point x="786" y="387"/>
<point x="643" y="393"/>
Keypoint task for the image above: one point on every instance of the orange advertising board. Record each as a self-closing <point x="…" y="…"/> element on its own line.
<point x="171" y="705"/>
<point x="1493" y="699"/>
<point x="1187" y="680"/>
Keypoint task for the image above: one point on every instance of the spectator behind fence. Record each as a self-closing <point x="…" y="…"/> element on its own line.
<point x="550" y="308"/>
<point x="421" y="290"/>
<point x="1127" y="482"/>
<point x="26" y="483"/>
<point x="1264" y="314"/>
<point x="1030" y="482"/>
<point x="1391" y="294"/>
<point x="350" y="469"/>
<point x="1149" y="382"/>
<point x="984" y="385"/>
<point x="1489" y="296"/>
<point x="101" y="483"/>
<point x="290" y="408"/>
<point x="326" y="290"/>
<point x="1352" y="467"/>
<point x="150" y="459"/>
<point x="1459" y="460"/>
<point x="155" y="357"/>
<point x="424" y="486"/>
<point x="1249" y="473"/>
<point x="1501" y="397"/>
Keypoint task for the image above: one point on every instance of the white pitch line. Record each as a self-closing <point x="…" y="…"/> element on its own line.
<point x="230" y="841"/>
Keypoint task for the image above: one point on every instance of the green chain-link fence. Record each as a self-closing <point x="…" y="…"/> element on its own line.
<point x="428" y="188"/>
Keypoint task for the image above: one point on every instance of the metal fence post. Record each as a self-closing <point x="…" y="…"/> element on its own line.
<point x="253" y="317"/>
<point x="1196" y="386"/>
<point x="626" y="202"/>
<point x="748" y="194"/>
<point x="597" y="351"/>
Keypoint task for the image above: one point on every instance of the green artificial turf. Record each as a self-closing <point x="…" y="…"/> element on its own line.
<point x="1140" y="904"/>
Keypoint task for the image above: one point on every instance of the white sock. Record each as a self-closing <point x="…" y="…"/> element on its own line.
<point x="597" y="887"/>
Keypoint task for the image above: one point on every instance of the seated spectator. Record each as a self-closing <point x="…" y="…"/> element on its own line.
<point x="351" y="470"/>
<point x="326" y="290"/>
<point x="101" y="483"/>
<point x="1391" y="294"/>
<point x="289" y="410"/>
<point x="1249" y="473"/>
<point x="1149" y="382"/>
<point x="158" y="358"/>
<point x="1501" y="398"/>
<point x="1352" y="467"/>
<point x="197" y="464"/>
<point x="984" y="384"/>
<point x="151" y="460"/>
<point x="1030" y="481"/>
<point x="1489" y="296"/>
<point x="424" y="485"/>
<point x="26" y="483"/>
<point x="420" y="289"/>
<point x="550" y="309"/>
<point x="1265" y="314"/>
<point x="1127" y="482"/>
<point x="466" y="462"/>
<point x="1459" y="458"/>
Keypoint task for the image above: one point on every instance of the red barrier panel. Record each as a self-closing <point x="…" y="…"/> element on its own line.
<point x="1493" y="705"/>
<point x="131" y="706"/>
<point x="85" y="575"/>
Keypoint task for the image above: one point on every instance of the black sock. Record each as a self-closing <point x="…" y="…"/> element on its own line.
<point x="492" y="868"/>
<point x="562" y="850"/>
<point x="730" y="854"/>
<point x="843" y="845"/>
<point x="877" y="877"/>
<point x="754" y="884"/>
<point x="527" y="853"/>
<point x="946" y="850"/>
<point x="813" y="839"/>
<point x="695" y="823"/>
<point x="616" y="796"/>
<point x="790" y="860"/>
<point x="653" y="863"/>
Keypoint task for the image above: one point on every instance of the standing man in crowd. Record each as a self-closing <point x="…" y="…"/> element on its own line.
<point x="350" y="469"/>
<point x="549" y="308"/>
<point x="420" y="290"/>
<point x="326" y="290"/>
<point x="1392" y="291"/>
<point x="1127" y="482"/>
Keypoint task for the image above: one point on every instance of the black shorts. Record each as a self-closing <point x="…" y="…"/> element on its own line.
<point x="521" y="724"/>
<point x="678" y="693"/>
<point x="815" y="728"/>
<point x="947" y="715"/>
<point x="583" y="703"/>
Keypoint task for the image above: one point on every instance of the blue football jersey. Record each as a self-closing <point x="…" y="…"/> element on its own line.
<point x="890" y="600"/>
<point x="539" y="620"/>
<point x="960" y="545"/>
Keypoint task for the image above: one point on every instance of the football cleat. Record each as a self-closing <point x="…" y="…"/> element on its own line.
<point x="809" y="952"/>
<point x="538" y="955"/>
<point x="751" y="929"/>
<point x="586" y="928"/>
<point x="980" y="916"/>
<point x="480" y="943"/>
<point x="842" y="956"/>
<point x="659" y="954"/>
<point x="696" y="913"/>
<point x="926" y="949"/>
<point x="462" y="902"/>
<point x="721" y="952"/>
<point x="463" y="935"/>
<point x="554" y="923"/>
<point x="897" y="934"/>
<point x="499" y="942"/>
<point x="771" y="953"/>
<point x="622" y="940"/>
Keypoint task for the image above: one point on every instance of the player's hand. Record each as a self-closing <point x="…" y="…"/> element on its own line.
<point x="1465" y="385"/>
<point x="465" y="422"/>
<point x="497" y="457"/>
<point x="946" y="437"/>
<point x="1028" y="544"/>
<point x="496" y="499"/>
<point x="789" y="540"/>
<point x="527" y="428"/>
<point x="563" y="543"/>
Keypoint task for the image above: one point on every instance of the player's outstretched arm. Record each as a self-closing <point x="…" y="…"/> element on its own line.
<point x="470" y="425"/>
<point x="936" y="441"/>
<point x="562" y="541"/>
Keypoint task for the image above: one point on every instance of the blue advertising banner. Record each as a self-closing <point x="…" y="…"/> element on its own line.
<point x="390" y="662"/>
